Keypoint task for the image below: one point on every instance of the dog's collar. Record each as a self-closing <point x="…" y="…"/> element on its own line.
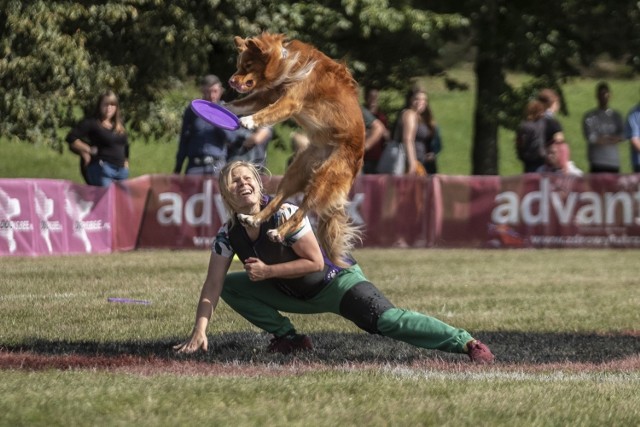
<point x="285" y="53"/>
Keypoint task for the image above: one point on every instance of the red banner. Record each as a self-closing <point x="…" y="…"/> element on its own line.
<point x="540" y="211"/>
<point x="181" y="212"/>
<point x="172" y="211"/>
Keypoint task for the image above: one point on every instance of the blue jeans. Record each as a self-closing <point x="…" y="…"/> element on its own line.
<point x="101" y="173"/>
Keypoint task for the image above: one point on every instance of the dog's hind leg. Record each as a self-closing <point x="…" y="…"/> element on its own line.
<point x="327" y="195"/>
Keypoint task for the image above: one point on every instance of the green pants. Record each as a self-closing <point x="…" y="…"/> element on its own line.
<point x="261" y="303"/>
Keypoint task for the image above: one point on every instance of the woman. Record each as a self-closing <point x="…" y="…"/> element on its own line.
<point x="417" y="129"/>
<point x="295" y="277"/>
<point x="102" y="143"/>
<point x="553" y="129"/>
<point x="530" y="137"/>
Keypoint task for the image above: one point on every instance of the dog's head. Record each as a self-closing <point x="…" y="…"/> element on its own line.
<point x="261" y="62"/>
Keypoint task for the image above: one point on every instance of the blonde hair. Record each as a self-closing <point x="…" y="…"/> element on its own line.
<point x="224" y="183"/>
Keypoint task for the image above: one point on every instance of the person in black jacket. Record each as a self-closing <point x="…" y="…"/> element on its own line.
<point x="101" y="142"/>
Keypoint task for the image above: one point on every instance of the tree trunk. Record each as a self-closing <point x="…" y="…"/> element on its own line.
<point x="489" y="85"/>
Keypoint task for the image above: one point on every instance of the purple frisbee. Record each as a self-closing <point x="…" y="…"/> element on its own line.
<point x="129" y="301"/>
<point x="215" y="114"/>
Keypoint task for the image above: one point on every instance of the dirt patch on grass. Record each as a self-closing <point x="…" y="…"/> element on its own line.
<point x="293" y="366"/>
<point x="244" y="354"/>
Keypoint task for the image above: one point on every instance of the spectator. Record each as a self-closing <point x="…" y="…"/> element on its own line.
<point x="250" y="146"/>
<point x="377" y="131"/>
<point x="553" y="128"/>
<point x="531" y="138"/>
<point x="101" y="142"/>
<point x="632" y="131"/>
<point x="293" y="276"/>
<point x="603" y="129"/>
<point x="299" y="142"/>
<point x="557" y="160"/>
<point x="203" y="144"/>
<point x="420" y="136"/>
<point x="374" y="134"/>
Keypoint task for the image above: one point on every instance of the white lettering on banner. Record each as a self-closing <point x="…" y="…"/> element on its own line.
<point x="173" y="212"/>
<point x="44" y="208"/>
<point x="201" y="199"/>
<point x="170" y="213"/>
<point x="594" y="209"/>
<point x="9" y="208"/>
<point x="77" y="209"/>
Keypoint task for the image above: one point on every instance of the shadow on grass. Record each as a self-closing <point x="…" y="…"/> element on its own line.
<point x="339" y="348"/>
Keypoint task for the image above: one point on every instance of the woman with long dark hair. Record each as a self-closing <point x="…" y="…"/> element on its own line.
<point x="101" y="142"/>
<point x="416" y="128"/>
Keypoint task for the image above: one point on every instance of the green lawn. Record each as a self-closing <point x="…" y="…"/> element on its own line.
<point x="553" y="309"/>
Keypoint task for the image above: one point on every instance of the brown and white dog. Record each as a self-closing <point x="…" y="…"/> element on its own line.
<point x="291" y="79"/>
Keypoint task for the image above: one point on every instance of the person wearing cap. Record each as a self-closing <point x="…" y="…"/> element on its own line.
<point x="203" y="144"/>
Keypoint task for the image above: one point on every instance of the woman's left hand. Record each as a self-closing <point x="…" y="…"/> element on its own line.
<point x="256" y="269"/>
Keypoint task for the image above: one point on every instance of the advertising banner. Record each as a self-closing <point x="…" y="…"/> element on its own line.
<point x="540" y="211"/>
<point x="181" y="212"/>
<point x="40" y="216"/>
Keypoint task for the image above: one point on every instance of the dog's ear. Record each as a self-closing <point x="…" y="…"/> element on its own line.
<point x="257" y="45"/>
<point x="241" y="44"/>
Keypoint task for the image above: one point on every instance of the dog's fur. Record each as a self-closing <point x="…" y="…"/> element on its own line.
<point x="290" y="79"/>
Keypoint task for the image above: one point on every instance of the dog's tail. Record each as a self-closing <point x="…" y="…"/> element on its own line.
<point x="338" y="235"/>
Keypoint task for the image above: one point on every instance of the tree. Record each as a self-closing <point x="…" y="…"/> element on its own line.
<point x="58" y="55"/>
<point x="550" y="40"/>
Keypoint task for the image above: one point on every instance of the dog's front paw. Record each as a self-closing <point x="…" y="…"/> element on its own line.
<point x="274" y="236"/>
<point x="248" y="220"/>
<point x="247" y="122"/>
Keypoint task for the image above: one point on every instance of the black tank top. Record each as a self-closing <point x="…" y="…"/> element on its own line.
<point x="269" y="252"/>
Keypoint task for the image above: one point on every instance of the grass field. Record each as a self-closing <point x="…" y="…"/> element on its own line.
<point x="564" y="325"/>
<point x="453" y="111"/>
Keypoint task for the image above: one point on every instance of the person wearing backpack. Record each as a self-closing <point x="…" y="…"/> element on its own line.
<point x="530" y="137"/>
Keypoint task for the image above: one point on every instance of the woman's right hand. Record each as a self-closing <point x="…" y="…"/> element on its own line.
<point x="86" y="158"/>
<point x="198" y="341"/>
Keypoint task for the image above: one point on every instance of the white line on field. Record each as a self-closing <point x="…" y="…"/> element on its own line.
<point x="608" y="377"/>
<point x="55" y="295"/>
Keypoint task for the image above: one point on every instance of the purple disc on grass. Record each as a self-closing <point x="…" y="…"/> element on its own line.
<point x="215" y="114"/>
<point x="129" y="301"/>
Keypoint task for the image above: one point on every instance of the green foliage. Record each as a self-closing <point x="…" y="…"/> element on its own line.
<point x="59" y="55"/>
<point x="56" y="56"/>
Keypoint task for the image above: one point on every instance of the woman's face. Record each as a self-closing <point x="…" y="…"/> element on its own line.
<point x="244" y="189"/>
<point x="419" y="102"/>
<point x="108" y="108"/>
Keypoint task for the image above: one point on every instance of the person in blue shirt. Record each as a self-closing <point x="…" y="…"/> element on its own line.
<point x="208" y="148"/>
<point x="632" y="131"/>
<point x="202" y="144"/>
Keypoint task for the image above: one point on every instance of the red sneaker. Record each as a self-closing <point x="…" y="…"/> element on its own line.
<point x="479" y="353"/>
<point x="290" y="344"/>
